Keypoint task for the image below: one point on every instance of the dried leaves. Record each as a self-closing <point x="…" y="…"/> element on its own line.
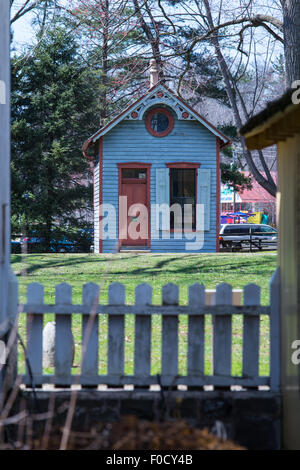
<point x="133" y="434"/>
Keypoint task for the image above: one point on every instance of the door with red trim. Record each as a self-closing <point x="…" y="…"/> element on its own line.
<point x="134" y="224"/>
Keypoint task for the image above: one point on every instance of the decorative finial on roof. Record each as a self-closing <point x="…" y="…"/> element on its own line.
<point x="153" y="73"/>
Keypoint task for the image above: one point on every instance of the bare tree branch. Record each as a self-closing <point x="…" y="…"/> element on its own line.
<point x="167" y="17"/>
<point x="25" y="8"/>
<point x="154" y="41"/>
<point x="266" y="181"/>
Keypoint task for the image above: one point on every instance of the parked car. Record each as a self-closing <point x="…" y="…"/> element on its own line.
<point x="80" y="242"/>
<point x="237" y="236"/>
<point x="63" y="245"/>
<point x="16" y="244"/>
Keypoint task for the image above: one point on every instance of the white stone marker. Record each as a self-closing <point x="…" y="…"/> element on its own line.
<point x="49" y="345"/>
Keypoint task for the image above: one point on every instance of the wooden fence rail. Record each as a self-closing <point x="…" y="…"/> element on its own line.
<point x="143" y="310"/>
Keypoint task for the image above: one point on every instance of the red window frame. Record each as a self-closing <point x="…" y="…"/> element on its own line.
<point x="167" y="113"/>
<point x="189" y="166"/>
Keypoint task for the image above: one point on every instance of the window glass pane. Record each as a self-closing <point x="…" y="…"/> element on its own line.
<point x="183" y="193"/>
<point x="189" y="183"/>
<point x="236" y="230"/>
<point x="159" y="122"/>
<point x="133" y="173"/>
<point x="228" y="229"/>
<point x="176" y="183"/>
<point x="266" y="228"/>
<point x="244" y="231"/>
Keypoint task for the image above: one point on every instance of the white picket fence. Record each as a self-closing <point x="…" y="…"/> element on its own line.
<point x="90" y="310"/>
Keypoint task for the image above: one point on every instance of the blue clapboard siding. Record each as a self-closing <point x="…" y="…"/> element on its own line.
<point x="96" y="206"/>
<point x="129" y="141"/>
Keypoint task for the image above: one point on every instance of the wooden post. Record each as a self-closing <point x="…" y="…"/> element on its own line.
<point x="8" y="370"/>
<point x="275" y="331"/>
<point x="8" y="283"/>
<point x="4" y="160"/>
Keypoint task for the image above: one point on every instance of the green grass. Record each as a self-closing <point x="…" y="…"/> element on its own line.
<point x="157" y="270"/>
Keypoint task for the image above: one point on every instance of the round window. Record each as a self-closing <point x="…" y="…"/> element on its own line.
<point x="159" y="122"/>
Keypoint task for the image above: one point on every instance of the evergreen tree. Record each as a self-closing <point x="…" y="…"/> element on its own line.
<point x="231" y="173"/>
<point x="53" y="110"/>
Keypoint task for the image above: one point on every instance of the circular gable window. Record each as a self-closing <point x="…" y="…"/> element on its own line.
<point x="159" y="122"/>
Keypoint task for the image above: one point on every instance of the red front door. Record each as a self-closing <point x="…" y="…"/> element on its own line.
<point x="133" y="220"/>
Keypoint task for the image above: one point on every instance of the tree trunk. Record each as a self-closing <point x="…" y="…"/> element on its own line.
<point x="48" y="234"/>
<point x="104" y="67"/>
<point x="291" y="30"/>
<point x="154" y="39"/>
<point x="267" y="184"/>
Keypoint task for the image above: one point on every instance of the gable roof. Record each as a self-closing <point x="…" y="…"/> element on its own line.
<point x="257" y="193"/>
<point x="152" y="97"/>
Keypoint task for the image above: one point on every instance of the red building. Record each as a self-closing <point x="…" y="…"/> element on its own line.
<point x="255" y="200"/>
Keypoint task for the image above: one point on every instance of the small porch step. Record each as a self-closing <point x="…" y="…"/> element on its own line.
<point x="142" y="249"/>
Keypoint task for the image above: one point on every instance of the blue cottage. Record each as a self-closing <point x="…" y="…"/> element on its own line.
<point x="157" y="177"/>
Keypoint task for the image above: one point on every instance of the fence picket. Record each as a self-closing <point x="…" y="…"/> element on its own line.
<point x="221" y="310"/>
<point x="196" y="332"/>
<point x="142" y="350"/>
<point x="90" y="297"/>
<point x="34" y="327"/>
<point x="170" y="332"/>
<point x="115" y="366"/>
<point x="63" y="335"/>
<point x="222" y="327"/>
<point x="251" y="333"/>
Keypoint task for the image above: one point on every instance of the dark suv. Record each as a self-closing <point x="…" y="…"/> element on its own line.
<point x="237" y="236"/>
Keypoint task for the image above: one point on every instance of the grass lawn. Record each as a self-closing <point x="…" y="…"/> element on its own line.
<point x="157" y="270"/>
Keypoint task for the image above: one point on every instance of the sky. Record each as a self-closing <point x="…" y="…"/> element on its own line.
<point x="22" y="32"/>
<point x="22" y="29"/>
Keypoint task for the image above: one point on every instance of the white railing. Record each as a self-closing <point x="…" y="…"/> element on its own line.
<point x="197" y="308"/>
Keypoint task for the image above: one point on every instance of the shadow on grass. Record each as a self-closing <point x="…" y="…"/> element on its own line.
<point x="62" y="262"/>
<point x="169" y="265"/>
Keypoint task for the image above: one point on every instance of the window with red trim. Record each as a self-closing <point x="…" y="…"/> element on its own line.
<point x="159" y="122"/>
<point x="183" y="189"/>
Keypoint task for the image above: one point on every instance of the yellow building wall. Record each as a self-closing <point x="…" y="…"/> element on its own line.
<point x="255" y="219"/>
<point x="288" y="258"/>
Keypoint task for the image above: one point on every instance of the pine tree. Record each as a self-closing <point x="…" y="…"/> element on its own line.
<point x="53" y="110"/>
